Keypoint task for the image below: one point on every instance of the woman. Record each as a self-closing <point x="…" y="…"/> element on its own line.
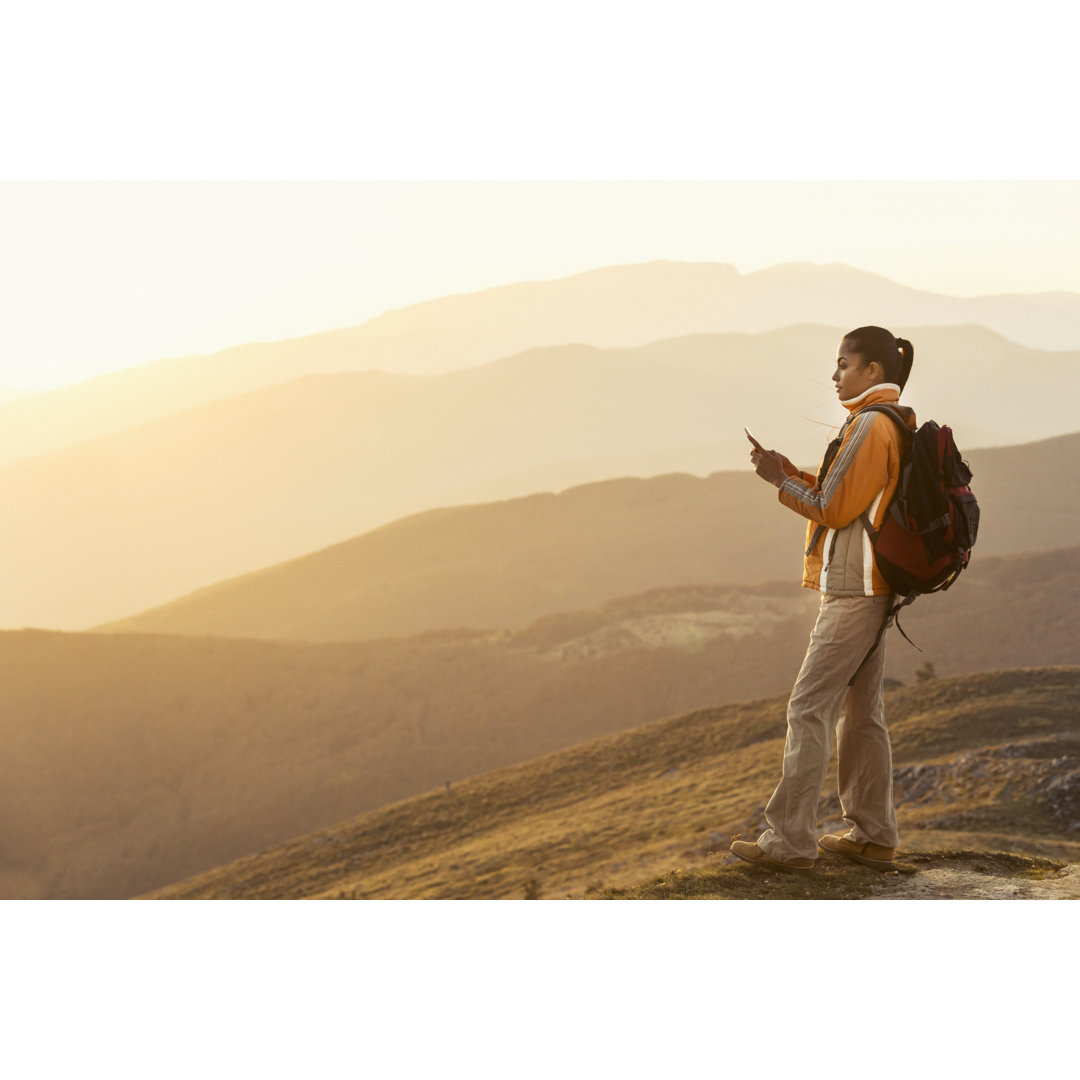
<point x="859" y="474"/>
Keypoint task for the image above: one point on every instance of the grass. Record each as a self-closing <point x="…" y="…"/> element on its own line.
<point x="723" y="882"/>
<point x="612" y="817"/>
<point x="832" y="878"/>
<point x="132" y="762"/>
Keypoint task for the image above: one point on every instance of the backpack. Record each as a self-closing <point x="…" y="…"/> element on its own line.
<point x="930" y="524"/>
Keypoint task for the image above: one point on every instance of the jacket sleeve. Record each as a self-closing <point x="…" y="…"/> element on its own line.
<point x="858" y="474"/>
<point x="808" y="478"/>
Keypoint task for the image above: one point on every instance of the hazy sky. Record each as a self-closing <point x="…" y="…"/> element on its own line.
<point x="97" y="275"/>
<point x="160" y="185"/>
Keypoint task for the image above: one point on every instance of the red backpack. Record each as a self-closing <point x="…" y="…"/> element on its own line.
<point x="930" y="525"/>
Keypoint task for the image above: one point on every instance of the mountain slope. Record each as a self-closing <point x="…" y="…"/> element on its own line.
<point x="135" y="760"/>
<point x="505" y="564"/>
<point x="614" y="306"/>
<point x="617" y="810"/>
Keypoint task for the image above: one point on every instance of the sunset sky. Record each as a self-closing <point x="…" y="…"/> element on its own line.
<point x="97" y="275"/>
<point x="554" y="113"/>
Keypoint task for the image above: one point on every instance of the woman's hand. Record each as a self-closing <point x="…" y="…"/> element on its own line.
<point x="769" y="464"/>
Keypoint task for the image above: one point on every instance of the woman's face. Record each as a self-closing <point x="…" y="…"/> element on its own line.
<point x="852" y="376"/>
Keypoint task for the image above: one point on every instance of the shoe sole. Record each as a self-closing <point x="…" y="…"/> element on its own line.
<point x="877" y="864"/>
<point x="771" y="864"/>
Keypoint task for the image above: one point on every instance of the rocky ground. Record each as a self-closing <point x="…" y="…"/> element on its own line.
<point x="942" y="878"/>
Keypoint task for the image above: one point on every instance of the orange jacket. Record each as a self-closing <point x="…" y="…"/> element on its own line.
<point x="862" y="476"/>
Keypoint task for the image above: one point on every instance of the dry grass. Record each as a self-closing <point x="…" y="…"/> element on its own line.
<point x="134" y="761"/>
<point x="604" y="817"/>
<point x="833" y="878"/>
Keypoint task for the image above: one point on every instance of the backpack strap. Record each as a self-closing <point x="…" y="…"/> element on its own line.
<point x="888" y="410"/>
<point x="868" y="525"/>
<point x="864" y="517"/>
<point x="901" y="423"/>
<point x="892" y="614"/>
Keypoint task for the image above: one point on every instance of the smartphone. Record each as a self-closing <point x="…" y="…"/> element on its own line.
<point x="750" y="436"/>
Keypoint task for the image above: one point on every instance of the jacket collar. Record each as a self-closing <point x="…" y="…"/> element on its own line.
<point x="881" y="394"/>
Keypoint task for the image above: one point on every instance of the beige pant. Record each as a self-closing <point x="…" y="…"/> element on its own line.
<point x="845" y="629"/>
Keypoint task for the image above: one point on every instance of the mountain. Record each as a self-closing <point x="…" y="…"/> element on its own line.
<point x="135" y="760"/>
<point x="986" y="762"/>
<point x="138" y="518"/>
<point x="504" y="564"/>
<point x="620" y="306"/>
<point x="123" y="523"/>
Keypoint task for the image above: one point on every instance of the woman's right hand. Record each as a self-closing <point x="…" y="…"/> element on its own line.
<point x="769" y="465"/>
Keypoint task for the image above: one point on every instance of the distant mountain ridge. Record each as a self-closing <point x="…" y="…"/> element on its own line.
<point x="138" y="518"/>
<point x="619" y="306"/>
<point x="505" y="564"/>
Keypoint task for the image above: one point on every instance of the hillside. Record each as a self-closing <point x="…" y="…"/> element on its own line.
<point x="924" y="875"/>
<point x="986" y="763"/>
<point x="126" y="522"/>
<point x="135" y="760"/>
<point x="505" y="564"/>
<point x="619" y="306"/>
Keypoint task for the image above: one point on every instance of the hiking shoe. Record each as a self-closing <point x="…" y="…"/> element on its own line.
<point x="753" y="854"/>
<point x="868" y="854"/>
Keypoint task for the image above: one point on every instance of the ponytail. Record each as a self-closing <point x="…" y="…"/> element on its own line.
<point x="907" y="355"/>
<point x="876" y="345"/>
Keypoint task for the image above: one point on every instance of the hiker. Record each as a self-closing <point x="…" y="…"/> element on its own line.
<point x="860" y="473"/>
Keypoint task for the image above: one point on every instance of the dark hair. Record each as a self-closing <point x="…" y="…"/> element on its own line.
<point x="893" y="354"/>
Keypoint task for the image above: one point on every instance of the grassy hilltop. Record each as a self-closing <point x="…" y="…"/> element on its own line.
<point x="133" y="761"/>
<point x="987" y="762"/>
